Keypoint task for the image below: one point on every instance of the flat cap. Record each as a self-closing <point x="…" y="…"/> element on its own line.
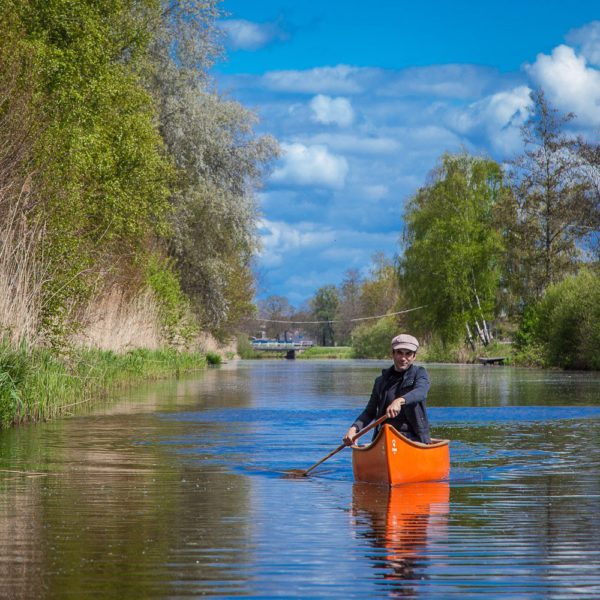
<point x="405" y="342"/>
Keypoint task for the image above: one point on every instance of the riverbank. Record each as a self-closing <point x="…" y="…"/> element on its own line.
<point x="39" y="384"/>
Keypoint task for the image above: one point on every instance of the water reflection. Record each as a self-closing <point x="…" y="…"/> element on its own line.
<point x="400" y="523"/>
<point x="177" y="491"/>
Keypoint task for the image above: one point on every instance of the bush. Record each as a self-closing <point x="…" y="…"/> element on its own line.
<point x="244" y="347"/>
<point x="373" y="341"/>
<point x="565" y="324"/>
<point x="212" y="358"/>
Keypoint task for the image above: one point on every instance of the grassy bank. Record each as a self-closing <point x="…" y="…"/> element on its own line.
<point x="461" y="354"/>
<point x="326" y="352"/>
<point x="37" y="384"/>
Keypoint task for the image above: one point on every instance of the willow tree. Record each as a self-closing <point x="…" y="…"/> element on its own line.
<point x="450" y="264"/>
<point x="220" y="162"/>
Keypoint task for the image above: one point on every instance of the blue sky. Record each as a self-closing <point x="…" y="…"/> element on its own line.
<point x="365" y="97"/>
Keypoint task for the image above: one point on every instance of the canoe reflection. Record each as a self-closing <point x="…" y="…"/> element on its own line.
<point x="400" y="522"/>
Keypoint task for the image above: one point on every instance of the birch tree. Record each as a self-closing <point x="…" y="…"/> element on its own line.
<point x="451" y="260"/>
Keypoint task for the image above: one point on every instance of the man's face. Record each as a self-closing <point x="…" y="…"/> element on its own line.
<point x="402" y="359"/>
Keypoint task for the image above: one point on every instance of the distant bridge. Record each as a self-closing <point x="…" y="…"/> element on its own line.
<point x="290" y="348"/>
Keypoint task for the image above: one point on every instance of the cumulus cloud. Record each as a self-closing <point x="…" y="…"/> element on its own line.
<point x="248" y="35"/>
<point x="498" y="116"/>
<point x="279" y="238"/>
<point x="310" y="166"/>
<point x="329" y="110"/>
<point x="570" y="84"/>
<point x="587" y="38"/>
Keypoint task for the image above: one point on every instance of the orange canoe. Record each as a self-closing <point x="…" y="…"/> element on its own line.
<point x="393" y="459"/>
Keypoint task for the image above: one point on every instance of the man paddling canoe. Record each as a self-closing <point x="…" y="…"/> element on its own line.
<point x="399" y="393"/>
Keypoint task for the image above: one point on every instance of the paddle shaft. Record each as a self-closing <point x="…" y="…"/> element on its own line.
<point x="342" y="446"/>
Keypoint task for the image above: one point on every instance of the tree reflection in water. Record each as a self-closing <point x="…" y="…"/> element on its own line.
<point x="401" y="523"/>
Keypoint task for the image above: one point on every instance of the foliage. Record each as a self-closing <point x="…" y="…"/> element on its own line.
<point x="274" y="308"/>
<point x="37" y="383"/>
<point x="102" y="178"/>
<point x="551" y="209"/>
<point x="244" y="347"/>
<point x="329" y="352"/>
<point x="450" y="265"/>
<point x="212" y="358"/>
<point x="219" y="161"/>
<point x="564" y="326"/>
<point x="373" y="340"/>
<point x="349" y="308"/>
<point x="589" y="169"/>
<point x="173" y="304"/>
<point x="324" y="306"/>
<point x="14" y="369"/>
<point x="380" y="292"/>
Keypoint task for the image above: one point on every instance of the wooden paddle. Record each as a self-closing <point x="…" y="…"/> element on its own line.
<point x="300" y="473"/>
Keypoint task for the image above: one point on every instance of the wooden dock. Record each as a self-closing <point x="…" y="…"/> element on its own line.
<point x="495" y="360"/>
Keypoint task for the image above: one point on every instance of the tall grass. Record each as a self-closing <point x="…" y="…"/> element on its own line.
<point x="38" y="384"/>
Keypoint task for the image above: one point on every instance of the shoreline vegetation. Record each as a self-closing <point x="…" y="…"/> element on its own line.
<point x="39" y="384"/>
<point x="427" y="353"/>
<point x="129" y="219"/>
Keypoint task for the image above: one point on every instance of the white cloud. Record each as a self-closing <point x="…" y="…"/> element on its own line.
<point x="570" y="84"/>
<point x="356" y="144"/>
<point x="441" y="81"/>
<point x="341" y="79"/>
<point x="279" y="238"/>
<point x="498" y="117"/>
<point x="587" y="38"/>
<point x="247" y="35"/>
<point x="310" y="166"/>
<point x="375" y="192"/>
<point x="328" y="110"/>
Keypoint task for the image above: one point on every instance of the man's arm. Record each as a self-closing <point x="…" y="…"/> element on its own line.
<point x="417" y="394"/>
<point x="365" y="417"/>
<point x="419" y="391"/>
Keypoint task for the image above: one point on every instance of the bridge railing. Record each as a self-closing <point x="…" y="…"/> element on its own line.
<point x="274" y="345"/>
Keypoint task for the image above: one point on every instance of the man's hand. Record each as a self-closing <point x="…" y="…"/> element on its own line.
<point x="349" y="437"/>
<point x="393" y="410"/>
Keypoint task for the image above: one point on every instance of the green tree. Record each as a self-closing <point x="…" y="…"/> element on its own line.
<point x="220" y="162"/>
<point x="349" y="307"/>
<point x="450" y="264"/>
<point x="380" y="291"/>
<point x="102" y="176"/>
<point x="551" y="207"/>
<point x="324" y="306"/>
<point x="589" y="157"/>
<point x="372" y="340"/>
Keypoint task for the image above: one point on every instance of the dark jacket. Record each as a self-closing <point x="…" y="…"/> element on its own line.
<point x="413" y="386"/>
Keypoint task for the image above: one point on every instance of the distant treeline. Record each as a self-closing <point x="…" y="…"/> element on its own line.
<point x="122" y="168"/>
<point x="489" y="253"/>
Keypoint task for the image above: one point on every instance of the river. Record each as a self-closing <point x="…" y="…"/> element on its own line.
<point x="177" y="489"/>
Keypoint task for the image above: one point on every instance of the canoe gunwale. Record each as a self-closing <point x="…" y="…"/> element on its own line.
<point x="436" y="443"/>
<point x="393" y="459"/>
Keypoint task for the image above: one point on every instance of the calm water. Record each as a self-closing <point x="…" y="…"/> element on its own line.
<point x="175" y="490"/>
